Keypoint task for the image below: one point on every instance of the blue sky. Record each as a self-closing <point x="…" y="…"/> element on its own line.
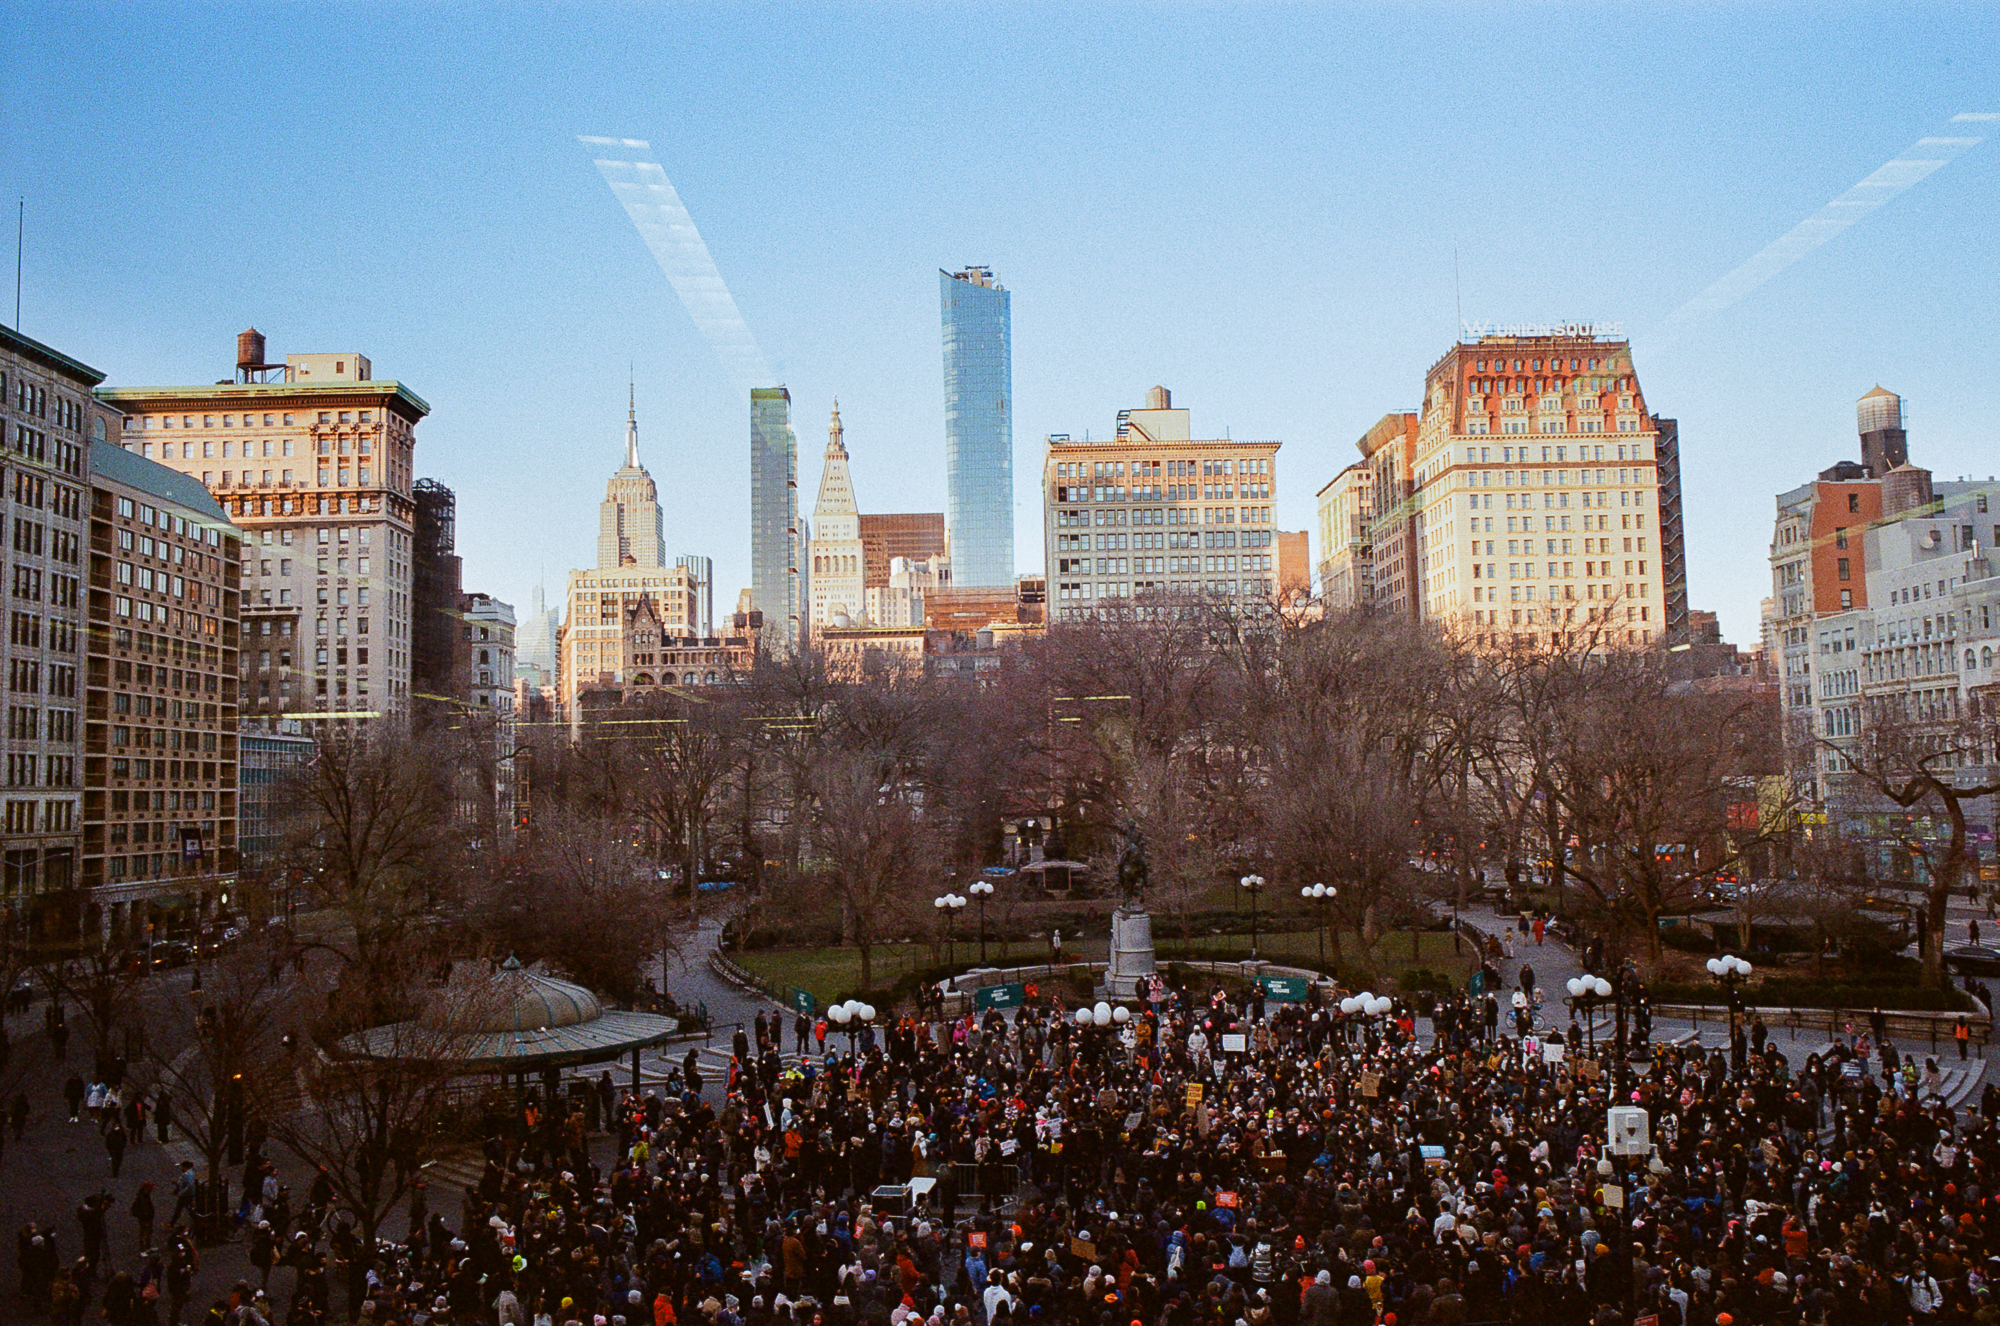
<point x="1255" y="205"/>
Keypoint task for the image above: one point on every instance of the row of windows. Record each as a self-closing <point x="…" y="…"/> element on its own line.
<point x="1154" y="469"/>
<point x="25" y="676"/>
<point x="25" y="629"/>
<point x="249" y="420"/>
<point x="28" y="723"/>
<point x="41" y="771"/>
<point x="1557" y="570"/>
<point x="40" y="816"/>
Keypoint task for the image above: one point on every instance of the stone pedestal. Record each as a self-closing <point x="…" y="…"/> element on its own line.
<point x="1131" y="953"/>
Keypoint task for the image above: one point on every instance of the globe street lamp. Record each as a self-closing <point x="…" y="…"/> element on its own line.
<point x="1322" y="895"/>
<point x="949" y="905"/>
<point x="981" y="890"/>
<point x="1586" y="992"/>
<point x="1253" y="885"/>
<point x="1730" y="970"/>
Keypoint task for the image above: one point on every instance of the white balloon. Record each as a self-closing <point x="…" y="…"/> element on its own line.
<point x="1121" y="1014"/>
<point x="1603" y="988"/>
<point x="1347" y="1004"/>
<point x="868" y="1012"/>
<point x="1101" y="1012"/>
<point x="1082" y="1017"/>
<point x="838" y="1013"/>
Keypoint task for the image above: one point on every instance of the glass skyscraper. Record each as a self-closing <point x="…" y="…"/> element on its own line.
<point x="978" y="427"/>
<point x="775" y="590"/>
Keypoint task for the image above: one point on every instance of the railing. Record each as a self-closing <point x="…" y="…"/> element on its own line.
<point x="1843" y="1022"/>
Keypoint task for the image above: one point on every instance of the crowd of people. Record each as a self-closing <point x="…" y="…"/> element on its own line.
<point x="1216" y="1160"/>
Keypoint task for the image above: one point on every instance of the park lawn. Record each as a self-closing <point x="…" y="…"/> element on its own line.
<point x="1391" y="955"/>
<point x="834" y="973"/>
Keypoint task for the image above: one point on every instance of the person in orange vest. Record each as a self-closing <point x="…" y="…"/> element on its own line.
<point x="1961" y="1031"/>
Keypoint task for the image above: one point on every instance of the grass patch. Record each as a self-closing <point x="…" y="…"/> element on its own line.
<point x="834" y="973"/>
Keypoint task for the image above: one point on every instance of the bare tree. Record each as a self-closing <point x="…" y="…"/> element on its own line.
<point x="579" y="901"/>
<point x="1911" y="756"/>
<point x="366" y="1112"/>
<point x="1344" y="726"/>
<point x="216" y="1053"/>
<point x="372" y="833"/>
<point x="1644" y="773"/>
<point x="1144" y="706"/>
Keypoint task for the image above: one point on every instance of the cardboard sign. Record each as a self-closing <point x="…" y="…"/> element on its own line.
<point x="976" y="1239"/>
<point x="1590" y="1069"/>
<point x="1371" y="1085"/>
<point x="1234" y="1042"/>
<point x="1009" y="1146"/>
<point x="1552" y="1052"/>
<point x="1194" y="1094"/>
<point x="1225" y="1199"/>
<point x="1080" y="1248"/>
<point x="1614" y="1198"/>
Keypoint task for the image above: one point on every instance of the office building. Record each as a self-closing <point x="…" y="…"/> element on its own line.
<point x="835" y="555"/>
<point x="701" y="574"/>
<point x="535" y="638"/>
<point x="160" y="728"/>
<point x="1346" y="515"/>
<point x="1884" y="608"/>
<point x="633" y="622"/>
<point x="1537" y="496"/>
<point x="775" y="540"/>
<point x="487" y="631"/>
<point x="978" y="427"/>
<point x="47" y="421"/>
<point x="914" y="536"/>
<point x="1294" y="563"/>
<point x="314" y="460"/>
<point x="906" y="599"/>
<point x="1153" y="511"/>
<point x="266" y="758"/>
<point x="437" y="574"/>
<point x="1388" y="451"/>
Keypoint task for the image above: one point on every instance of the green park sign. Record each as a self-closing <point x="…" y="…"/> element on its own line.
<point x="802" y="1000"/>
<point x="1286" y="989"/>
<point x="999" y="996"/>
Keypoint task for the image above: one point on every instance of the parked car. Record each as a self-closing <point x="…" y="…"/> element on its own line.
<point x="171" y="953"/>
<point x="1978" y="959"/>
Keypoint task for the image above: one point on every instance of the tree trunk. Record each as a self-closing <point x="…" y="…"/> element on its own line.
<point x="1943" y="880"/>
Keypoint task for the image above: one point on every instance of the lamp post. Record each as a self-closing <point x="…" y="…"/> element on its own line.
<point x="1587" y="992"/>
<point x="1322" y="895"/>
<point x="1253" y="885"/>
<point x="1730" y="970"/>
<point x="948" y="905"/>
<point x="981" y="890"/>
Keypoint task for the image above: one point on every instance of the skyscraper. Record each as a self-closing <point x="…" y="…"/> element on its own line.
<point x="701" y="575"/>
<point x="836" y="556"/>
<point x="630" y="596"/>
<point x="628" y="520"/>
<point x="774" y="518"/>
<point x="978" y="427"/>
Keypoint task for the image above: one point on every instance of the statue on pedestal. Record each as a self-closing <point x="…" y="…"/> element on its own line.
<point x="1131" y="958"/>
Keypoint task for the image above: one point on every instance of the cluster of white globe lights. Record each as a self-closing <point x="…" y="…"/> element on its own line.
<point x="842" y="1014"/>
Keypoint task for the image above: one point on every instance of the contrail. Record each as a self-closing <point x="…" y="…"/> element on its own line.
<point x="1916" y="162"/>
<point x="663" y="221"/>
